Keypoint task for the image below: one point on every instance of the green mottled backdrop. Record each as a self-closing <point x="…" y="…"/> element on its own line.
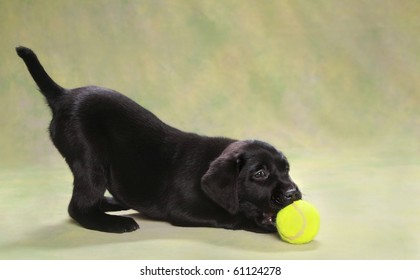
<point x="334" y="84"/>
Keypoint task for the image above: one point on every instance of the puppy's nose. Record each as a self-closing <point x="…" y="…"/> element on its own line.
<point x="284" y="198"/>
<point x="293" y="194"/>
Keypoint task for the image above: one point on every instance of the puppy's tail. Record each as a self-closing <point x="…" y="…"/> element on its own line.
<point x="46" y="85"/>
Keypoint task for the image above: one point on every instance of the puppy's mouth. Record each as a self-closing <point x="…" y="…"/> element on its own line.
<point x="269" y="218"/>
<point x="278" y="202"/>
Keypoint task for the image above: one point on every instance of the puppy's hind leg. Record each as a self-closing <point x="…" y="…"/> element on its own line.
<point x="110" y="204"/>
<point x="88" y="195"/>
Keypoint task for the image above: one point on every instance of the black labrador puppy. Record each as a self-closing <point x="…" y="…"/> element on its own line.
<point x="112" y="143"/>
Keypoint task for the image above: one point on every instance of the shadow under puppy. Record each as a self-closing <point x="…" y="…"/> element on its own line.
<point x="112" y="143"/>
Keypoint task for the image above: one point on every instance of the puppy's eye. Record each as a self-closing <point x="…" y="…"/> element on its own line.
<point x="260" y="175"/>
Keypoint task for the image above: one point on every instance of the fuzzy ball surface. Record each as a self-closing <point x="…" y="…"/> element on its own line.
<point x="298" y="223"/>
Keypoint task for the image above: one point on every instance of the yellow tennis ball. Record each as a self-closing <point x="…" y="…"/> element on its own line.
<point x="298" y="222"/>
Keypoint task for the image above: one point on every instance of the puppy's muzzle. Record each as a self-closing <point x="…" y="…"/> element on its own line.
<point x="282" y="199"/>
<point x="279" y="200"/>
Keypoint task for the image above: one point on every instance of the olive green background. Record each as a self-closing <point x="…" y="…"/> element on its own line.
<point x="333" y="84"/>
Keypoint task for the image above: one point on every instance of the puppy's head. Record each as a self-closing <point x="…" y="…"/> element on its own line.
<point x="251" y="178"/>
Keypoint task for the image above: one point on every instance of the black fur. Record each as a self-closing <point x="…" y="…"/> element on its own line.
<point x="112" y="143"/>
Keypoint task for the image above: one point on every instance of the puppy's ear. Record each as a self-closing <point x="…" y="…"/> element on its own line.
<point x="220" y="181"/>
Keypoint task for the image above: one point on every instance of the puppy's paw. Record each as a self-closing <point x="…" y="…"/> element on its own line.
<point x="100" y="221"/>
<point x="128" y="225"/>
<point x="118" y="224"/>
